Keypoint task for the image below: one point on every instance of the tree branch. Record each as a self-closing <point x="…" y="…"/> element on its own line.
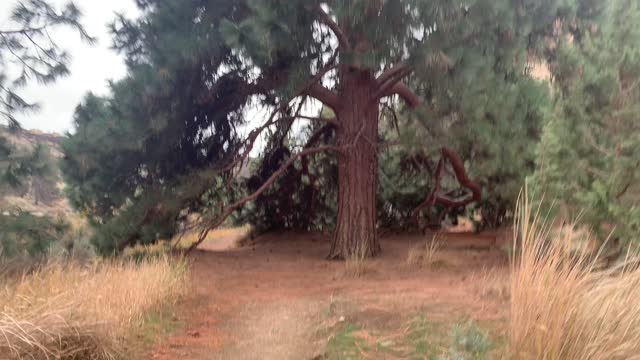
<point x="394" y="116"/>
<point x="324" y="95"/>
<point x="343" y="40"/>
<point x="386" y="88"/>
<point x="454" y="159"/>
<point x="391" y="72"/>
<point x="436" y="195"/>
<point x="405" y="94"/>
<point x="313" y="89"/>
<point x="238" y="204"/>
<point x="461" y="174"/>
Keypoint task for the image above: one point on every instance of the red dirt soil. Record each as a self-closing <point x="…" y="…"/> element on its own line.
<point x="271" y="300"/>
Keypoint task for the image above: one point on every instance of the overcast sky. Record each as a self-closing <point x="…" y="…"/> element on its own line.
<point x="91" y="66"/>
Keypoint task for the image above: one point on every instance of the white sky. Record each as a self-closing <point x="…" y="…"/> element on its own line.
<point x="91" y="66"/>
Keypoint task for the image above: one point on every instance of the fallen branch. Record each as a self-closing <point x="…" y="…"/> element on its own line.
<point x="238" y="204"/>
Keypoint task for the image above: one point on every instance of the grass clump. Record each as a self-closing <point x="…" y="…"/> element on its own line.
<point x="468" y="341"/>
<point x="424" y="255"/>
<point x="358" y="264"/>
<point x="346" y="344"/>
<point x="560" y="307"/>
<point x="70" y="311"/>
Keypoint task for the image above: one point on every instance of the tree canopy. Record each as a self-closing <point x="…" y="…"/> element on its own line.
<point x="447" y="80"/>
<point x="588" y="157"/>
<point x="28" y="54"/>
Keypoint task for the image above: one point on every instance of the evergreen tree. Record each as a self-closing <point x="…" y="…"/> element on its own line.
<point x="351" y="54"/>
<point x="589" y="158"/>
<point x="201" y="64"/>
<point x="159" y="143"/>
<point x="28" y="53"/>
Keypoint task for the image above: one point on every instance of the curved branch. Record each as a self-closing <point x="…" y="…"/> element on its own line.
<point x="391" y="72"/>
<point x="343" y="40"/>
<point x="315" y="89"/>
<point x="454" y="159"/>
<point x="405" y="94"/>
<point x="386" y="88"/>
<point x="324" y="95"/>
<point x="461" y="174"/>
<point x="238" y="204"/>
<point x="436" y="195"/>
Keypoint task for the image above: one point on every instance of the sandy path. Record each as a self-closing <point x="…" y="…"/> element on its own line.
<point x="272" y="300"/>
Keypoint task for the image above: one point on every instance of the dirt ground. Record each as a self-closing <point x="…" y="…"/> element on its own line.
<point x="279" y="299"/>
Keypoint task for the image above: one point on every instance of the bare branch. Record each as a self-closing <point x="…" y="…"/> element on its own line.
<point x="315" y="89"/>
<point x="446" y="154"/>
<point x="461" y="174"/>
<point x="391" y="72"/>
<point x="436" y="195"/>
<point x="394" y="116"/>
<point x="238" y="204"/>
<point x="405" y="94"/>
<point x="324" y="95"/>
<point x="386" y="88"/>
<point x="343" y="40"/>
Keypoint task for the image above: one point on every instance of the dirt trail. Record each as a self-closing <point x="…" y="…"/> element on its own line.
<point x="275" y="300"/>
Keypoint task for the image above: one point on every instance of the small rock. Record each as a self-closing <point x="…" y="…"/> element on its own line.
<point x="194" y="334"/>
<point x="341" y="319"/>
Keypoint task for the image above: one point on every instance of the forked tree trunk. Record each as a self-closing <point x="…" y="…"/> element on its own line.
<point x="355" y="233"/>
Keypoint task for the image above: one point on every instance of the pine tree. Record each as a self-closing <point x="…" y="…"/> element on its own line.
<point x="198" y="66"/>
<point x="351" y="54"/>
<point x="28" y="54"/>
<point x="588" y="157"/>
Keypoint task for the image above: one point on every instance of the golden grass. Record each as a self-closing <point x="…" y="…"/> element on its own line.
<point x="491" y="284"/>
<point x="240" y="234"/>
<point x="424" y="255"/>
<point x="357" y="267"/>
<point x="560" y="307"/>
<point x="68" y="311"/>
<point x="359" y="264"/>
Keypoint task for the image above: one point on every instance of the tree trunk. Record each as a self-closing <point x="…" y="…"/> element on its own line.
<point x="355" y="233"/>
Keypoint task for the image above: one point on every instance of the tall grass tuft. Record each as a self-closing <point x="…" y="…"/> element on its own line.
<point x="424" y="255"/>
<point x="358" y="264"/>
<point x="560" y="307"/>
<point x="70" y="311"/>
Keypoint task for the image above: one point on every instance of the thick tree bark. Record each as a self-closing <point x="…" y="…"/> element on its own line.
<point x="355" y="233"/>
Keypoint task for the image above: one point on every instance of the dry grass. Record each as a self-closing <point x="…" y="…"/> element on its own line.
<point x="241" y="236"/>
<point x="491" y="284"/>
<point x="69" y="311"/>
<point x="356" y="267"/>
<point x="560" y="307"/>
<point x="424" y="255"/>
<point x="359" y="264"/>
